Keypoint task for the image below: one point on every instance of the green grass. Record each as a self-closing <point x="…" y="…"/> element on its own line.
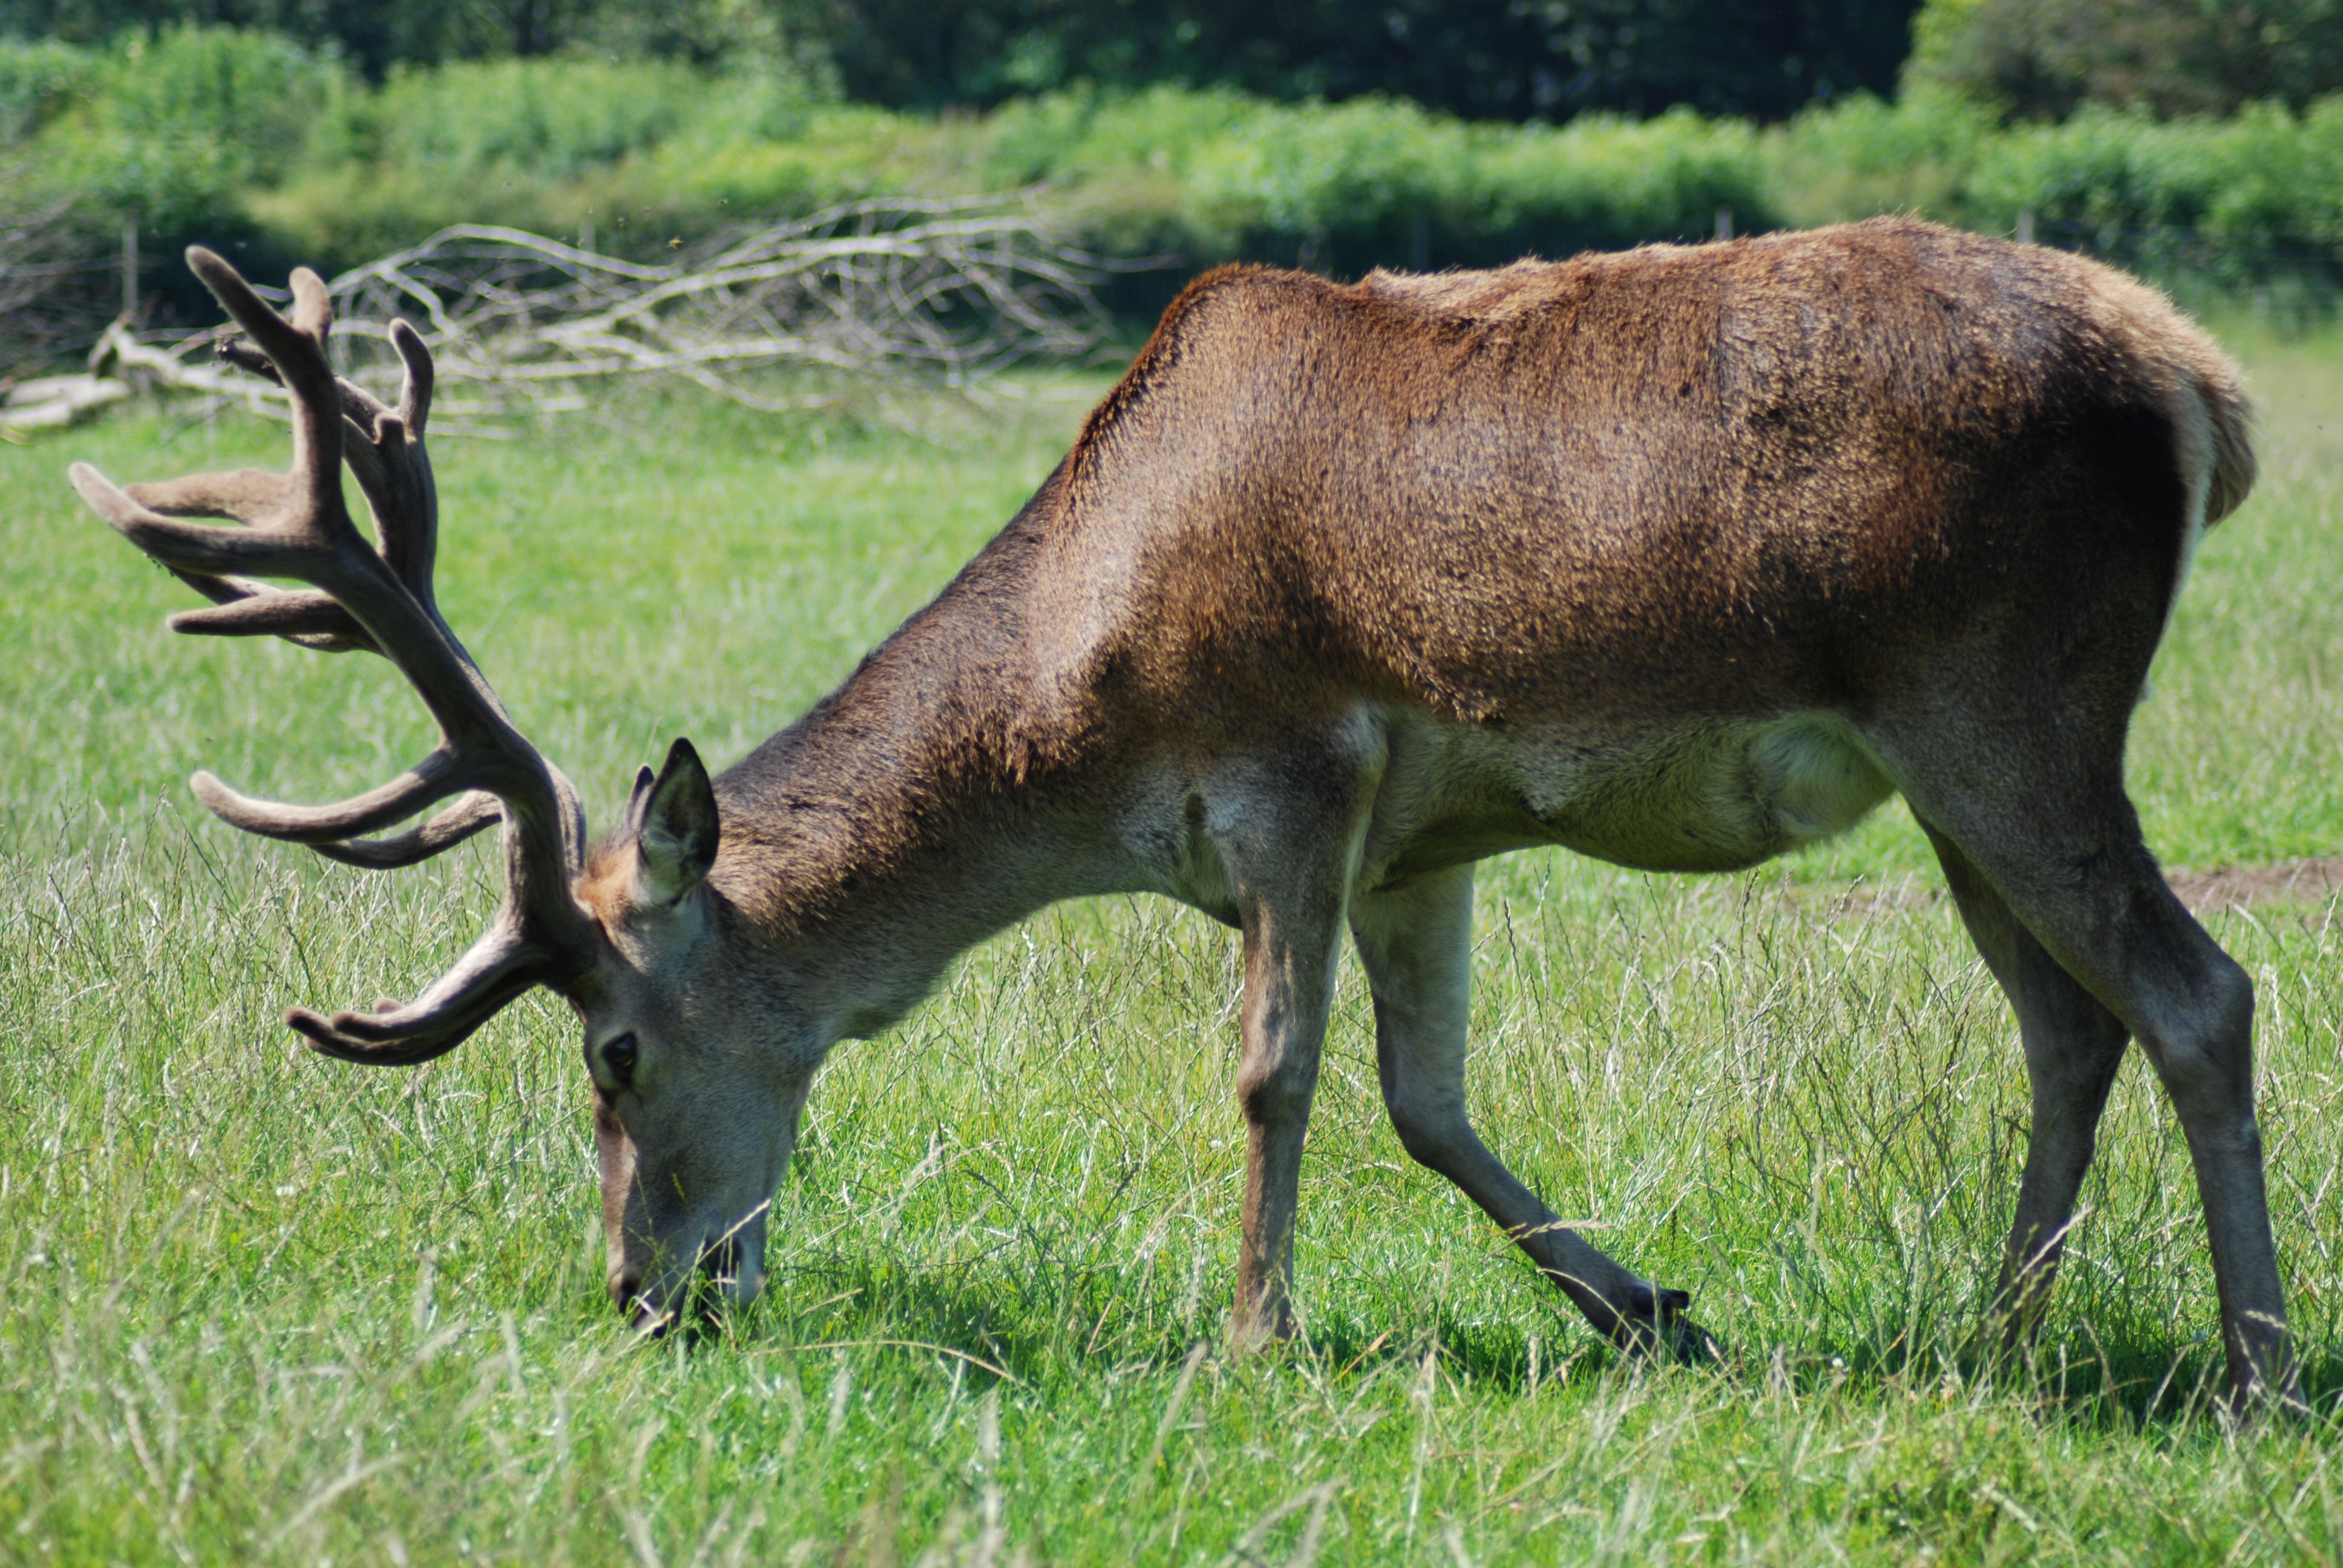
<point x="255" y="1306"/>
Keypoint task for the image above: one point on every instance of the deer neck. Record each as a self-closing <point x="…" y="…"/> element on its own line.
<point x="924" y="805"/>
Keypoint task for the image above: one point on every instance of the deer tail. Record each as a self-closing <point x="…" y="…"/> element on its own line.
<point x="2229" y="417"/>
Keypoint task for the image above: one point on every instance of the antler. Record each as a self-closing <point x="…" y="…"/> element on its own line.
<point x="296" y="526"/>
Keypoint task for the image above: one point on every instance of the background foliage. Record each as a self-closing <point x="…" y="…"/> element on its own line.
<point x="2042" y="59"/>
<point x="2195" y="139"/>
<point x="259" y="1310"/>
<point x="1502" y="58"/>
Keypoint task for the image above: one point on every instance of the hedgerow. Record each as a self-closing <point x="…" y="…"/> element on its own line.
<point x="245" y="139"/>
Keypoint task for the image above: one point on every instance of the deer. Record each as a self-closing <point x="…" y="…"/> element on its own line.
<point x="1681" y="558"/>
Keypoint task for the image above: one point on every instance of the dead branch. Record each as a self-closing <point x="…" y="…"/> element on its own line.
<point x="46" y="280"/>
<point x="944" y="294"/>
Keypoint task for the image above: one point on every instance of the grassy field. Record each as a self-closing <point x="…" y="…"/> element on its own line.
<point x="258" y="1306"/>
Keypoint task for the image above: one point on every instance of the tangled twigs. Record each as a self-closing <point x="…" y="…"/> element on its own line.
<point x="941" y="293"/>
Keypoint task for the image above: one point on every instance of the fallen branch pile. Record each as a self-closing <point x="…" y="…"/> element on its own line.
<point x="937" y="292"/>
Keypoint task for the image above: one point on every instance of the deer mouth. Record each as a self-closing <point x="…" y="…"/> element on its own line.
<point x="729" y="1274"/>
<point x="734" y="1267"/>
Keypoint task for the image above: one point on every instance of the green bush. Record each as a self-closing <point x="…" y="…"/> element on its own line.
<point x="345" y="208"/>
<point x="559" y="145"/>
<point x="39" y="80"/>
<point x="1607" y="181"/>
<point x="171" y="133"/>
<point x="2251" y="200"/>
<point x="175" y="129"/>
<point x="1861" y="156"/>
<point x="2263" y="180"/>
<point x="551" y="119"/>
<point x="650" y="152"/>
<point x="1372" y="181"/>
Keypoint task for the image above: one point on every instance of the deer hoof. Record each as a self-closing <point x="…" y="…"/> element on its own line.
<point x="1259" y="1331"/>
<point x="1658" y="1326"/>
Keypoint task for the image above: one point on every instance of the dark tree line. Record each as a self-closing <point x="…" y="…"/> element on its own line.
<point x="2041" y="59"/>
<point x="1498" y="59"/>
<point x="1504" y="59"/>
<point x="372" y="34"/>
<point x="1507" y="59"/>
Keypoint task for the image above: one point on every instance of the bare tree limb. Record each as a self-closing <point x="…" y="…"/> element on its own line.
<point x="897" y="292"/>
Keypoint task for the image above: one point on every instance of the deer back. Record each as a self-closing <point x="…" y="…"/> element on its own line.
<point x="1751" y="474"/>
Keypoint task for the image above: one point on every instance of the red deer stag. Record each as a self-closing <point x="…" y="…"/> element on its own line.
<point x="1679" y="557"/>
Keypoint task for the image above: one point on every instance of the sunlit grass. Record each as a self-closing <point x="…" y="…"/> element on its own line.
<point x="258" y="1306"/>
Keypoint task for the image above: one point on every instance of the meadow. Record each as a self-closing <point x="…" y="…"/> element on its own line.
<point x="256" y="1307"/>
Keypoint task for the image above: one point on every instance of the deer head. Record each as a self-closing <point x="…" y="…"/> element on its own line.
<point x="695" y="1109"/>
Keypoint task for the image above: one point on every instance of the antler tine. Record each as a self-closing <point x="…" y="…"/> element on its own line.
<point x="373" y="448"/>
<point x="426" y="783"/>
<point x="243" y="607"/>
<point x="503" y="964"/>
<point x="396" y="470"/>
<point x="298" y="349"/>
<point x="415" y="390"/>
<point x="296" y="362"/>
<point x="244" y="357"/>
<point x="473" y="811"/>
<point x="260" y="549"/>
<point x="401" y="493"/>
<point x="359" y="406"/>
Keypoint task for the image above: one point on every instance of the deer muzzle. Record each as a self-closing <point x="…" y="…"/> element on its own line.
<point x="726" y="1270"/>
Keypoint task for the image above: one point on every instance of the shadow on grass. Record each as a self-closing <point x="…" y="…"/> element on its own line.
<point x="2103" y="1376"/>
<point x="2127" y="1379"/>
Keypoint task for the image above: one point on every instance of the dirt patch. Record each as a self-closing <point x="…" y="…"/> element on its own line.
<point x="2214" y="891"/>
<point x="2249" y="887"/>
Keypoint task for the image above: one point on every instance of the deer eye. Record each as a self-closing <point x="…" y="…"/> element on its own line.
<point x="619" y="1056"/>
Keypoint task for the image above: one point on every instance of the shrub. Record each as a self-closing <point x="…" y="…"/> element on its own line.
<point x="1604" y="182"/>
<point x="556" y="144"/>
<point x="1860" y="156"/>
<point x="39" y="80"/>
<point x="2238" y="200"/>
<point x="2245" y="200"/>
<point x="173" y="129"/>
<point x="1372" y="181"/>
<point x="542" y="120"/>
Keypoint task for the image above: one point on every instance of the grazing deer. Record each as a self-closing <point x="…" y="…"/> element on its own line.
<point x="1680" y="558"/>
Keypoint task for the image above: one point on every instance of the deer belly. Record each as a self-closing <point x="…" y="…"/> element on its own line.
<point x="1711" y="798"/>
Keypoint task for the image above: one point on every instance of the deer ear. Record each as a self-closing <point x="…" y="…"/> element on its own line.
<point x="675" y="832"/>
<point x="639" y="798"/>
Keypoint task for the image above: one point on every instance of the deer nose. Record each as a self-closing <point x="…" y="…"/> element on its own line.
<point x="642" y="1314"/>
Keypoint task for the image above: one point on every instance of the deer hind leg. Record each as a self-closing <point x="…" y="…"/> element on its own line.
<point x="1415" y="943"/>
<point x="2063" y="852"/>
<point x="2073" y="1047"/>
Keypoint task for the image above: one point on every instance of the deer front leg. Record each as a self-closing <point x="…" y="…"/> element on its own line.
<point x="1415" y="942"/>
<point x="1290" y="954"/>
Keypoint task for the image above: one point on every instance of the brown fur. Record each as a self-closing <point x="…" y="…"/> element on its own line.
<point x="1600" y="506"/>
